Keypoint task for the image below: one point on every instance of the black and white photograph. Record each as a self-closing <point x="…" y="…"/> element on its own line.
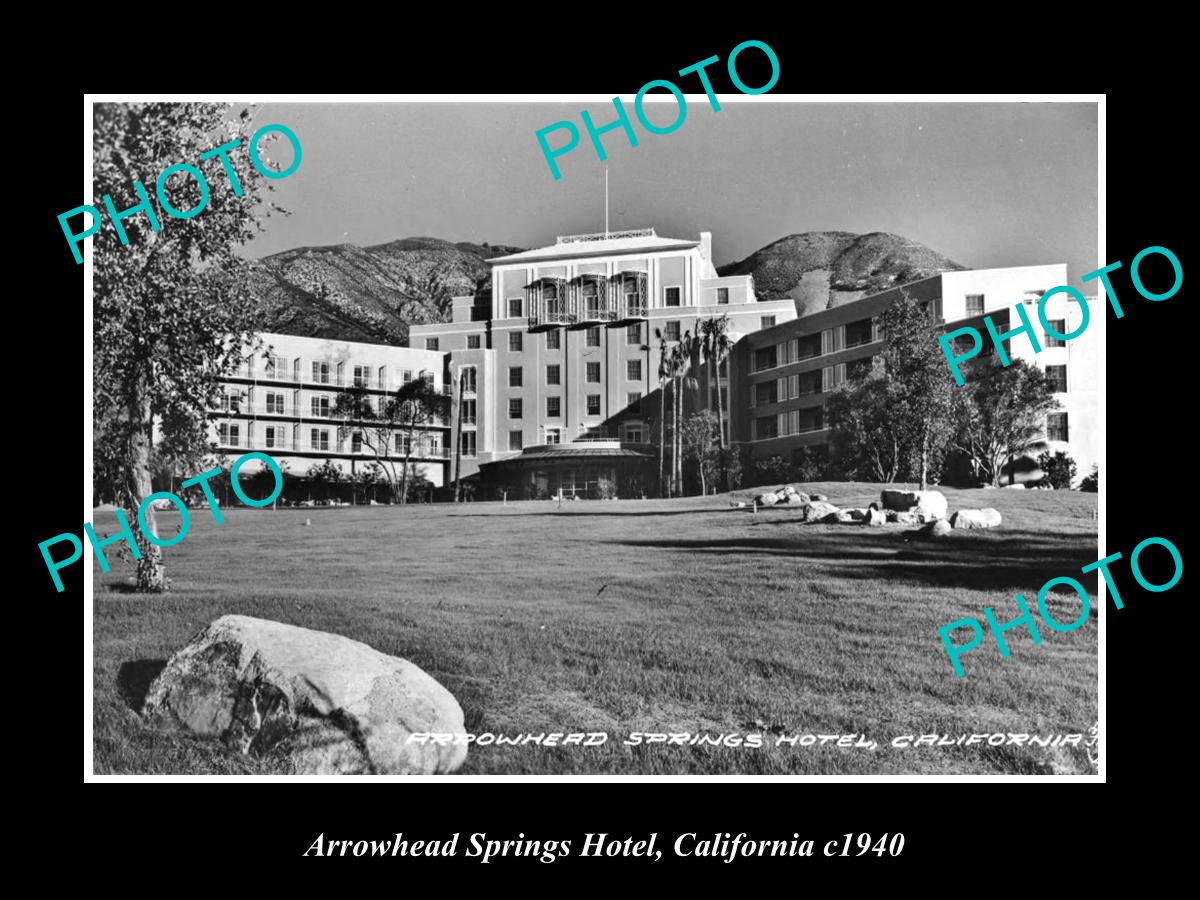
<point x="711" y="431"/>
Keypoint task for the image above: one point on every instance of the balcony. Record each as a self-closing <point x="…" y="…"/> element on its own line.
<point x="630" y="296"/>
<point x="334" y="447"/>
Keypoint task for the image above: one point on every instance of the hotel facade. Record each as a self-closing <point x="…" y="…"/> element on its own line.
<point x="283" y="402"/>
<point x="782" y="376"/>
<point x="551" y="374"/>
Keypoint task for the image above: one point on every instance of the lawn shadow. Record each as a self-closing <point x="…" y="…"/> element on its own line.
<point x="982" y="562"/>
<point x="134" y="679"/>
<point x="586" y="512"/>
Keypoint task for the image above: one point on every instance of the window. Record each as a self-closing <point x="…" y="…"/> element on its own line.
<point x="362" y="376"/>
<point x="514" y="341"/>
<point x="633" y="333"/>
<point x="593" y="372"/>
<point x="473" y="342"/>
<point x="858" y="333"/>
<point x="672" y="330"/>
<point x="469" y="412"/>
<point x="515" y="408"/>
<point x="406" y="375"/>
<point x="431" y="343"/>
<point x="552" y="374"/>
<point x="1059" y="325"/>
<point x="515" y="440"/>
<point x="356" y="442"/>
<point x="228" y="434"/>
<point x="553" y="407"/>
<point x="320" y="407"/>
<point x="1057" y="376"/>
<point x="231" y="401"/>
<point x="553" y="436"/>
<point x="427" y="377"/>
<point x="722" y="295"/>
<point x="766" y="392"/>
<point x="514" y="307"/>
<point x="671" y="296"/>
<point x="766" y="321"/>
<point x="764" y="358"/>
<point x="633" y="370"/>
<point x="320" y="439"/>
<point x="766" y="427"/>
<point x="320" y="372"/>
<point x="593" y="336"/>
<point x="591" y="300"/>
<point x="634" y="398"/>
<point x="514" y="376"/>
<point x="467" y="443"/>
<point x="553" y="339"/>
<point x="974" y="304"/>
<point x="633" y="434"/>
<point x="809" y="346"/>
<point x="273" y="437"/>
<point x="593" y="404"/>
<point x="275" y="368"/>
<point x="1056" y="427"/>
<point x="468" y="380"/>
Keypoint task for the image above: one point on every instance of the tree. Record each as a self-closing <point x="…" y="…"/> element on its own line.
<point x="683" y="377"/>
<point x="921" y="386"/>
<point x="1091" y="481"/>
<point x="1058" y="470"/>
<point x="699" y="436"/>
<point x="458" y="405"/>
<point x="716" y="346"/>
<point x="664" y="375"/>
<point x="375" y="422"/>
<point x="173" y="312"/>
<point x="324" y="475"/>
<point x="418" y="405"/>
<point x="866" y="438"/>
<point x="1000" y="413"/>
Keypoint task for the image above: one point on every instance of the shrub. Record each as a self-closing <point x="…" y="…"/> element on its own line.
<point x="1091" y="483"/>
<point x="1058" y="470"/>
<point x="606" y="489"/>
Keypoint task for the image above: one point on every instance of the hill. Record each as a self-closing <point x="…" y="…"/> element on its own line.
<point x="825" y="269"/>
<point x="369" y="293"/>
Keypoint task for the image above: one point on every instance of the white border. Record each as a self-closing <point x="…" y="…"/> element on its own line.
<point x="1101" y="199"/>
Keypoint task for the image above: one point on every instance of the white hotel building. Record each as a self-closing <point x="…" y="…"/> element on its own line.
<point x="282" y="403"/>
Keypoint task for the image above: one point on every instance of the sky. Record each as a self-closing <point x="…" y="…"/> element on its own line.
<point x="987" y="184"/>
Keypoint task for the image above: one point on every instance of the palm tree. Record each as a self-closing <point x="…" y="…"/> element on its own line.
<point x="716" y="346"/>
<point x="681" y="374"/>
<point x="664" y="372"/>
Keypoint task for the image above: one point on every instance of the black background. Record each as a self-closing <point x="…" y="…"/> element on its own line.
<point x="122" y="829"/>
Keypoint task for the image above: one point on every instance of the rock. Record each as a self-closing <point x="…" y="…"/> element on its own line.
<point x="794" y="500"/>
<point x="856" y="515"/>
<point x="989" y="487"/>
<point x="817" y="511"/>
<point x="1014" y="487"/>
<point x="875" y="517"/>
<point x="930" y="503"/>
<point x="333" y="705"/>
<point x="938" y="528"/>
<point x="902" y="518"/>
<point x="967" y="519"/>
<point x="901" y="501"/>
<point x="738" y="504"/>
<point x="792" y="491"/>
<point x="874" y="504"/>
<point x="819" y="498"/>
<point x="846" y="517"/>
<point x="768" y="499"/>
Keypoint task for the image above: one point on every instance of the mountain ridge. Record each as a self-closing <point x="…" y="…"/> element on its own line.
<point x="374" y="293"/>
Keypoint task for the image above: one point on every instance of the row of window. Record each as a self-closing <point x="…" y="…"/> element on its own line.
<point x="516" y="374"/>
<point x="672" y="296"/>
<point x="799" y="421"/>
<point x="516" y="405"/>
<point x="325" y="372"/>
<point x="275" y="437"/>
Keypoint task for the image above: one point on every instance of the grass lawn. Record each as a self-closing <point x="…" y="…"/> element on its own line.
<point x="642" y="616"/>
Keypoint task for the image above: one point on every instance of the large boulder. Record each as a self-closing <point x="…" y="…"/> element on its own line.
<point x="817" y="510"/>
<point x="967" y="519"/>
<point x="928" y="503"/>
<point x="819" y="497"/>
<point x="875" y="517"/>
<point x="845" y="517"/>
<point x="938" y="528"/>
<point x="794" y="499"/>
<point x="332" y="705"/>
<point x="770" y="498"/>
